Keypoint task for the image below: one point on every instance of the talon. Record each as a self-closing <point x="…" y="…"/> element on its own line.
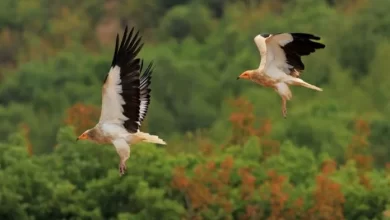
<point x="122" y="168"/>
<point x="284" y="112"/>
<point x="284" y="108"/>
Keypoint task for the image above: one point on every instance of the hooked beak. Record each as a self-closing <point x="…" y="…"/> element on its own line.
<point x="81" y="137"/>
<point x="244" y="75"/>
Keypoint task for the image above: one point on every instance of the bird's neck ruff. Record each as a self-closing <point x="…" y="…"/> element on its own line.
<point x="250" y="74"/>
<point x="263" y="79"/>
<point x="97" y="136"/>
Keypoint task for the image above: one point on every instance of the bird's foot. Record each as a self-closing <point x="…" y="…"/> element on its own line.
<point x="284" y="112"/>
<point x="284" y="107"/>
<point x="122" y="168"/>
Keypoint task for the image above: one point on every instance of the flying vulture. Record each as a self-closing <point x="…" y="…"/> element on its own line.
<point x="125" y="100"/>
<point x="281" y="62"/>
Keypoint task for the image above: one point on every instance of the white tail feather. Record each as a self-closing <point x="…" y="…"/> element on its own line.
<point x="300" y="82"/>
<point x="145" y="137"/>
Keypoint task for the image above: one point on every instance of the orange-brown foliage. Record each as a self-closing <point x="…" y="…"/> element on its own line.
<point x="248" y="189"/>
<point x="208" y="186"/>
<point x="82" y="117"/>
<point x="251" y="212"/>
<point x="386" y="213"/>
<point x="205" y="147"/>
<point x="242" y="120"/>
<point x="248" y="183"/>
<point x="296" y="210"/>
<point x="180" y="181"/>
<point x="244" y="125"/>
<point x="328" y="198"/>
<point x="328" y="167"/>
<point x="365" y="181"/>
<point x="278" y="196"/>
<point x="358" y="150"/>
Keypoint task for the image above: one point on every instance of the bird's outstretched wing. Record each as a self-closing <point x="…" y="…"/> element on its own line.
<point x="284" y="50"/>
<point x="262" y="47"/>
<point x="145" y="90"/>
<point x="123" y="102"/>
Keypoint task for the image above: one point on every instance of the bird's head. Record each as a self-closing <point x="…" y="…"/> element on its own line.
<point x="86" y="135"/>
<point x="245" y="75"/>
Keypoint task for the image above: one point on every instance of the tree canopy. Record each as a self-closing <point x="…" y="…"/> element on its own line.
<point x="230" y="154"/>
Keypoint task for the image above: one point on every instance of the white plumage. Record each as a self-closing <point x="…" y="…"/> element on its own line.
<point x="112" y="100"/>
<point x="125" y="101"/>
<point x="281" y="62"/>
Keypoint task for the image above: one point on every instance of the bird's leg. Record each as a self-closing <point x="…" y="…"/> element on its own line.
<point x="122" y="167"/>
<point x="285" y="93"/>
<point x="284" y="107"/>
<point x="122" y="163"/>
<point x="123" y="151"/>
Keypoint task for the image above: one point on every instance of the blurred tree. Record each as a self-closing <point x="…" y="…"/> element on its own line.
<point x="54" y="54"/>
<point x="82" y="117"/>
<point x="179" y="22"/>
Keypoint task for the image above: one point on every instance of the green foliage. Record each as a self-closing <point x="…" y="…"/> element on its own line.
<point x="42" y="185"/>
<point x="199" y="71"/>
<point x="54" y="54"/>
<point x="179" y="23"/>
<point x="297" y="163"/>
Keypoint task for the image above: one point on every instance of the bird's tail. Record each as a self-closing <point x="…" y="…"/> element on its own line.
<point x="300" y="82"/>
<point x="145" y="137"/>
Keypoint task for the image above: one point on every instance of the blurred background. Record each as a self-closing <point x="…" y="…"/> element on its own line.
<point x="230" y="153"/>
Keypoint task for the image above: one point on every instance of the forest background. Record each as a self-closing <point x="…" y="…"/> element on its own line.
<point x="230" y="153"/>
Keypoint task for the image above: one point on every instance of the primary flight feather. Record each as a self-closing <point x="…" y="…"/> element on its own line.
<point x="125" y="100"/>
<point x="281" y="62"/>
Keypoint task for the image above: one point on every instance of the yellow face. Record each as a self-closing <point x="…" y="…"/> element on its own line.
<point x="244" y="75"/>
<point x="83" y="136"/>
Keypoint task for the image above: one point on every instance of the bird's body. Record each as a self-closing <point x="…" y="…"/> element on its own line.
<point x="281" y="63"/>
<point x="263" y="79"/>
<point x="125" y="101"/>
<point x="104" y="133"/>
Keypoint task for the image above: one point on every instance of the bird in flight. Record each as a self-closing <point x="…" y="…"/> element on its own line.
<point x="125" y="100"/>
<point x="281" y="62"/>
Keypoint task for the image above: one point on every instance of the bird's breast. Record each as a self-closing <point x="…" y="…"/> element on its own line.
<point x="264" y="80"/>
<point x="110" y="131"/>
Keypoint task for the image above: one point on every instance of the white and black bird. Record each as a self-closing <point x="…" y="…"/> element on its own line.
<point x="281" y="62"/>
<point x="125" y="100"/>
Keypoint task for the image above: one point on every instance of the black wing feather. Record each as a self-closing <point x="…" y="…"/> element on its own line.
<point x="302" y="45"/>
<point x="145" y="90"/>
<point x="125" y="58"/>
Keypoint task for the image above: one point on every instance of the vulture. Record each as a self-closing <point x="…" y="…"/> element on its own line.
<point x="125" y="100"/>
<point x="281" y="63"/>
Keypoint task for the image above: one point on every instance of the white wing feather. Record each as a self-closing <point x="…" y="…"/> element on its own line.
<point x="112" y="101"/>
<point x="275" y="42"/>
<point x="273" y="58"/>
<point x="262" y="47"/>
